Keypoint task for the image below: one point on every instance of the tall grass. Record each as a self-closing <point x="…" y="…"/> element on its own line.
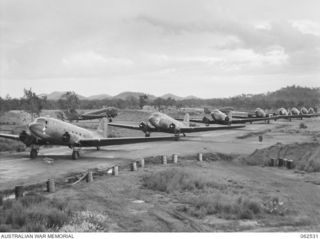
<point x="223" y="206"/>
<point x="178" y="180"/>
<point x="11" y="145"/>
<point x="203" y="201"/>
<point x="34" y="213"/>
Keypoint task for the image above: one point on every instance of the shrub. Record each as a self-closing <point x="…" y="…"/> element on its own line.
<point x="34" y="213"/>
<point x="302" y="126"/>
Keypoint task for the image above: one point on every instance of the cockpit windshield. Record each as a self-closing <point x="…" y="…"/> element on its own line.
<point x="41" y="121"/>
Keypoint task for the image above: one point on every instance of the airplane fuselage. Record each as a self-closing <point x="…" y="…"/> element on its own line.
<point x="58" y="132"/>
<point x="163" y="122"/>
<point x="282" y="111"/>
<point x="217" y="115"/>
<point x="295" y="111"/>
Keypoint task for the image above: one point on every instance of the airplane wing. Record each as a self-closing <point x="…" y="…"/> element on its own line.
<point x="126" y="126"/>
<point x="290" y="116"/>
<point x="234" y="121"/>
<point x="243" y="120"/>
<point x="208" y="128"/>
<point x="10" y="136"/>
<point x="122" y="140"/>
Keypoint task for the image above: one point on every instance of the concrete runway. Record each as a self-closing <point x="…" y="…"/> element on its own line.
<point x="18" y="169"/>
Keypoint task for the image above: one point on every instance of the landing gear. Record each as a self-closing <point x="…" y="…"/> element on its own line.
<point x="98" y="148"/>
<point x="176" y="137"/>
<point x="75" y="155"/>
<point x="147" y="134"/>
<point x="33" y="153"/>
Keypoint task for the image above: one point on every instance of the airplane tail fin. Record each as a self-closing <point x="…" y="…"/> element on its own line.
<point x="186" y="120"/>
<point x="103" y="127"/>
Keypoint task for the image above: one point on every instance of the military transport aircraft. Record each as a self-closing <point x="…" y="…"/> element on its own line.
<point x="294" y="113"/>
<point x="160" y="122"/>
<point x="219" y="117"/>
<point x="51" y="131"/>
<point x="71" y="115"/>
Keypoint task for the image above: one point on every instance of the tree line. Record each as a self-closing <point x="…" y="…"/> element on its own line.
<point x="291" y="96"/>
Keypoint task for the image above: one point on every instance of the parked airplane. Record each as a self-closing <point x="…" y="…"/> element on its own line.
<point x="50" y="131"/>
<point x="311" y="111"/>
<point x="304" y="111"/>
<point x="282" y="111"/>
<point x="159" y="122"/>
<point x="219" y="117"/>
<point x="294" y="113"/>
<point x="109" y="112"/>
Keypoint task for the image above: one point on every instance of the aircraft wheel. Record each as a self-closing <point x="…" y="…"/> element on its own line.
<point x="33" y="153"/>
<point x="98" y="148"/>
<point x="75" y="155"/>
<point x="147" y="134"/>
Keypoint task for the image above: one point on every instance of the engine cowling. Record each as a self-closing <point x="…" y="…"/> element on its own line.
<point x="66" y="137"/>
<point x="144" y="127"/>
<point x="205" y="120"/>
<point x="172" y="126"/>
<point x="26" y="138"/>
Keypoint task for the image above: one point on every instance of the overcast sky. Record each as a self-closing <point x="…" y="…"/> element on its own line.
<point x="207" y="48"/>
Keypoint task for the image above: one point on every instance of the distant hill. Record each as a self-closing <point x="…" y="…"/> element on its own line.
<point x="190" y="97"/>
<point x="56" y="95"/>
<point x="127" y="94"/>
<point x="172" y="96"/>
<point x="99" y="97"/>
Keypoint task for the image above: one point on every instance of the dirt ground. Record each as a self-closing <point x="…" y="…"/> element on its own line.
<point x="131" y="206"/>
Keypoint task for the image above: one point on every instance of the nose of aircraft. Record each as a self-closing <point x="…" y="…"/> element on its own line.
<point x="36" y="128"/>
<point x="155" y="121"/>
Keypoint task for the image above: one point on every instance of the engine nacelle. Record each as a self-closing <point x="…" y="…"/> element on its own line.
<point x="66" y="137"/>
<point x="205" y="120"/>
<point x="27" y="139"/>
<point x="172" y="126"/>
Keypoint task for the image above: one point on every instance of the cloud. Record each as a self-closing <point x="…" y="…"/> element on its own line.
<point x="91" y="59"/>
<point x="307" y="26"/>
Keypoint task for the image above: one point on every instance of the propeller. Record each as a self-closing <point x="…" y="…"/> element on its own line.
<point x="143" y="126"/>
<point x="26" y="138"/>
<point x="66" y="137"/>
<point x="172" y="126"/>
<point x="206" y="120"/>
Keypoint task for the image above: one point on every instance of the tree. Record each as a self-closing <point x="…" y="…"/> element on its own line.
<point x="69" y="101"/>
<point x="142" y="100"/>
<point x="31" y="102"/>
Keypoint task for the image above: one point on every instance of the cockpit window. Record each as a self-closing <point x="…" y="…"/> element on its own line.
<point x="41" y="121"/>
